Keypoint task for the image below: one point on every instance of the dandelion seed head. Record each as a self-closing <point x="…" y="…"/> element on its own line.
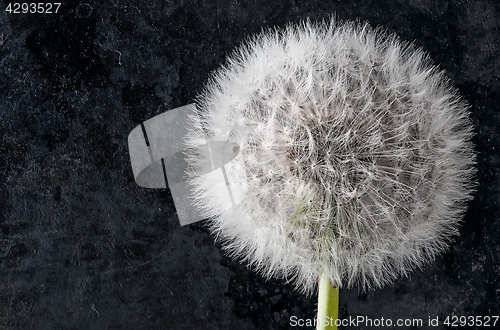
<point x="356" y="159"/>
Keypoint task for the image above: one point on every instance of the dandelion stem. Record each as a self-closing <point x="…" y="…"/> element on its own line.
<point x="328" y="304"/>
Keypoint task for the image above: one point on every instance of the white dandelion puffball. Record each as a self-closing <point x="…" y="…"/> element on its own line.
<point x="355" y="155"/>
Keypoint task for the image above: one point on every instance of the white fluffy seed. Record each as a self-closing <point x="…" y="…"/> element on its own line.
<point x="371" y="159"/>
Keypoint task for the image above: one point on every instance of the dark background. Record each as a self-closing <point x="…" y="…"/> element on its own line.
<point x="83" y="247"/>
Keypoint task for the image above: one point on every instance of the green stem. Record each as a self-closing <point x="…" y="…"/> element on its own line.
<point x="328" y="304"/>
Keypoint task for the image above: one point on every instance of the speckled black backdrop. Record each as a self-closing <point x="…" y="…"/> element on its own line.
<point x="83" y="247"/>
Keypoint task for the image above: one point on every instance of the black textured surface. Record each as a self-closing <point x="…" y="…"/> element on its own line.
<point x="83" y="247"/>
